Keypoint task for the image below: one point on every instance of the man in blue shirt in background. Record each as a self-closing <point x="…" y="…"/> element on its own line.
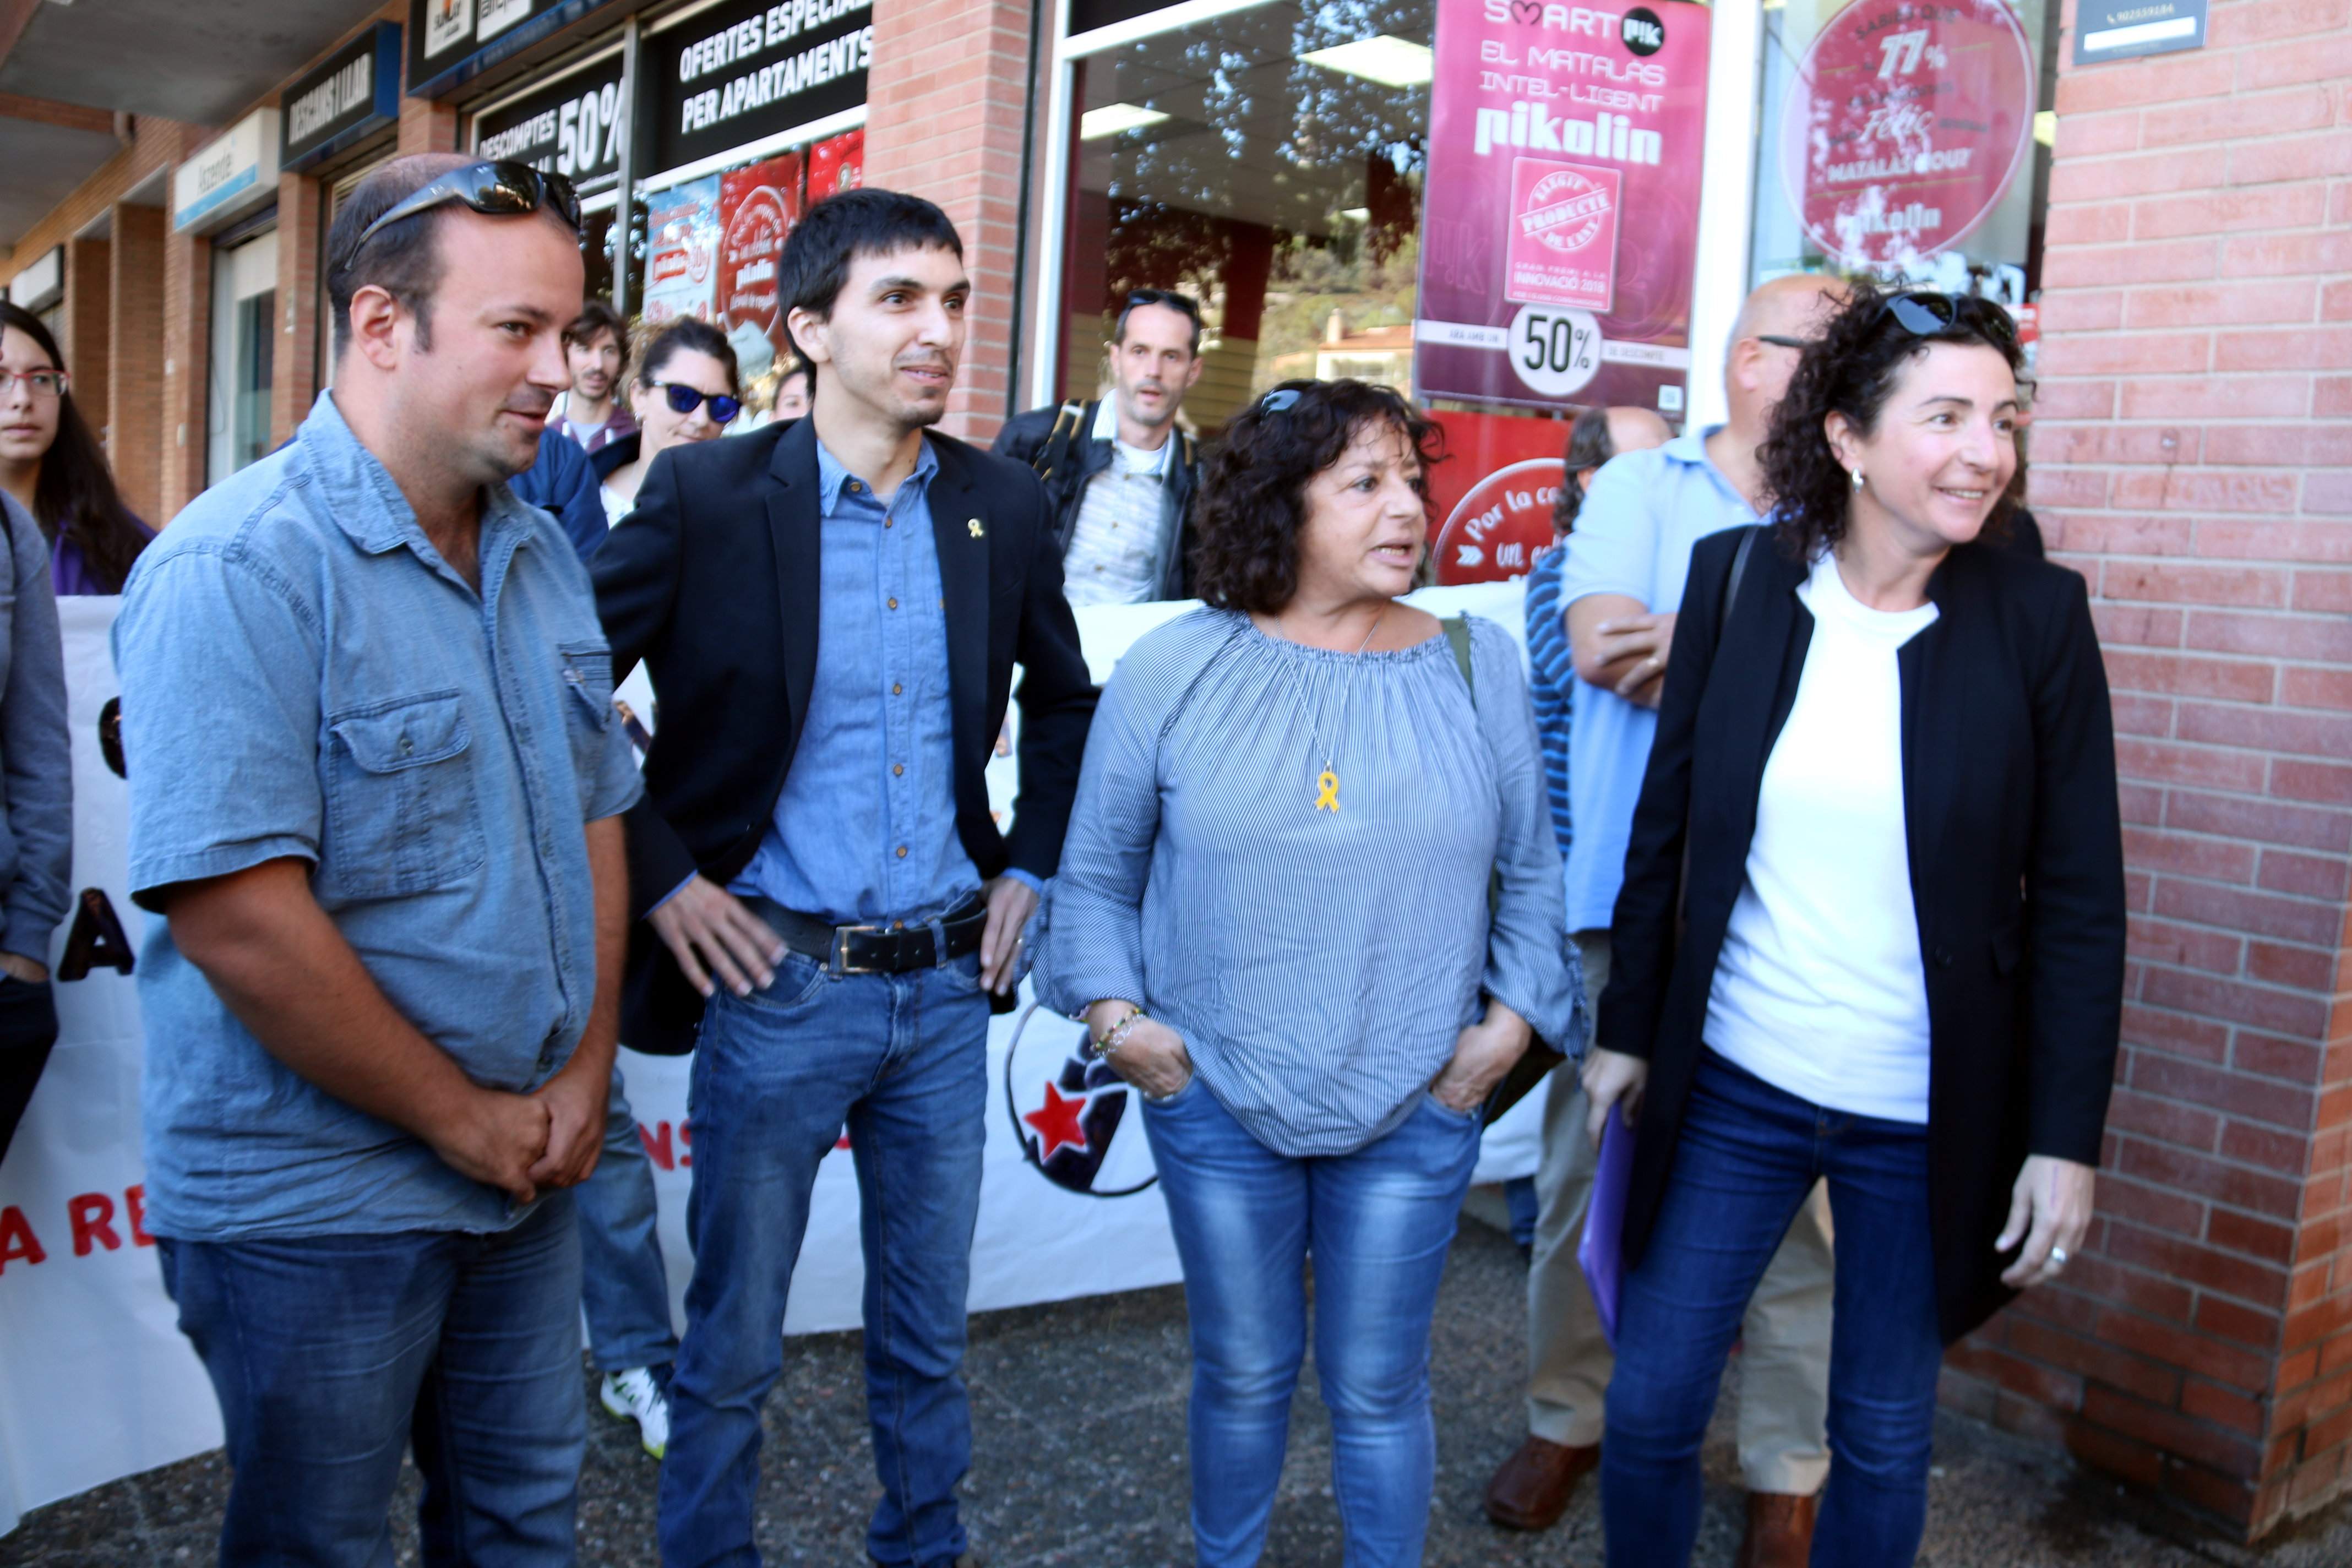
<point x="1621" y="581"/>
<point x="376" y="797"/>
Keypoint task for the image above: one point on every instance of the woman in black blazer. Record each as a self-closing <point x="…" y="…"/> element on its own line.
<point x="1871" y="927"/>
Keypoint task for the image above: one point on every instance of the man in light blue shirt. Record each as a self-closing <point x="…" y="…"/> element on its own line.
<point x="1622" y="583"/>
<point x="377" y="798"/>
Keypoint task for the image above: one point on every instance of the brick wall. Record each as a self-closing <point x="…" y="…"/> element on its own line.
<point x="947" y="102"/>
<point x="136" y="353"/>
<point x="2192" y="451"/>
<point x="82" y="329"/>
<point x="302" y="204"/>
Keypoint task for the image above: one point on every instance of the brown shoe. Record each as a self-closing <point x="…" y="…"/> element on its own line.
<point x="1532" y="1488"/>
<point x="1780" y="1532"/>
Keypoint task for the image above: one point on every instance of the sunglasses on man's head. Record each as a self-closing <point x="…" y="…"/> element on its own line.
<point x="500" y="189"/>
<point x="1168" y="296"/>
<point x="1924" y="314"/>
<point x="684" y="400"/>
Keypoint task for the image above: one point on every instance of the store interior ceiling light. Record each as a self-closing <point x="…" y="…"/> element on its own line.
<point x="1390" y="61"/>
<point x="1113" y="118"/>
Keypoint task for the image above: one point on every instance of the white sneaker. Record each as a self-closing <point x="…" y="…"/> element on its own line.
<point x="634" y="1396"/>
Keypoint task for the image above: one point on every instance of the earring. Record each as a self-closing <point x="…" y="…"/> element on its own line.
<point x="1857" y="481"/>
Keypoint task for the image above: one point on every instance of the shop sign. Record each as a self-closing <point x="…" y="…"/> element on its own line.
<point x="1907" y="122"/>
<point x="1490" y="502"/>
<point x="1560" y="224"/>
<point x="450" y="41"/>
<point x="744" y="71"/>
<point x="2121" y="29"/>
<point x="41" y="284"/>
<point x="574" y="126"/>
<point x="352" y="94"/>
<point x="229" y="177"/>
<point x="757" y="209"/>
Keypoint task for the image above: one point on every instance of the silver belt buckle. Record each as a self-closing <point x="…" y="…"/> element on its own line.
<point x="841" y="965"/>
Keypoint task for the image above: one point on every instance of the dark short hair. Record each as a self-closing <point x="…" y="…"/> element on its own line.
<point x="1851" y="369"/>
<point x="688" y="334"/>
<point x="1254" y="497"/>
<point x="598" y="316"/>
<point x="1183" y="304"/>
<point x="867" y="221"/>
<point x="1589" y="447"/>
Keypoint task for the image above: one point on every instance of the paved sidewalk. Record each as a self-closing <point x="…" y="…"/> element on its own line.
<point x="1080" y="1421"/>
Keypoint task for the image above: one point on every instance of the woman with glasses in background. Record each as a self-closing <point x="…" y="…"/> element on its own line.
<point x="1872" y="925"/>
<point x="51" y="462"/>
<point x="687" y="390"/>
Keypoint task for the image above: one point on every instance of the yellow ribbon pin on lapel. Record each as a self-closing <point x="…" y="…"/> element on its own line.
<point x="977" y="531"/>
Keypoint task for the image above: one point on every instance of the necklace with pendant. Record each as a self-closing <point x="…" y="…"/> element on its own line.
<point x="1326" y="782"/>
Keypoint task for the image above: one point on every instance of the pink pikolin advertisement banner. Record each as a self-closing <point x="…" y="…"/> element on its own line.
<point x="1560" y="215"/>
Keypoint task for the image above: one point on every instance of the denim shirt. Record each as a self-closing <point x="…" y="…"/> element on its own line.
<point x="304" y="675"/>
<point x="865" y="828"/>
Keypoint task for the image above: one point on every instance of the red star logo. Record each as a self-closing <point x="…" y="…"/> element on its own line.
<point x="1057" y="1122"/>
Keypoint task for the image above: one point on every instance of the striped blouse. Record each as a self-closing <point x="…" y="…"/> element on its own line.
<point x="1552" y="685"/>
<point x="1318" y="963"/>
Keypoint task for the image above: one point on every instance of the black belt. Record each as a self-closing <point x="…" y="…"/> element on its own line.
<point x="890" y="949"/>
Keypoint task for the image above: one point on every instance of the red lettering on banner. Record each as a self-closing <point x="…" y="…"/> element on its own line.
<point x="92" y="1215"/>
<point x="658" y="1147"/>
<point x="134" y="1208"/>
<point x="684" y="1142"/>
<point x="18" y="1242"/>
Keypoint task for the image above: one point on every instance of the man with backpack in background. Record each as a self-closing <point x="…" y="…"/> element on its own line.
<point x="1120" y="475"/>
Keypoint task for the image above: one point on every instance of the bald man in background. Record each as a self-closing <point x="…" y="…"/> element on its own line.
<point x="1621" y="579"/>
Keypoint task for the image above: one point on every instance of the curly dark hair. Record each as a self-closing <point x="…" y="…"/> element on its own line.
<point x="1589" y="447"/>
<point x="1851" y="369"/>
<point x="1254" y="497"/>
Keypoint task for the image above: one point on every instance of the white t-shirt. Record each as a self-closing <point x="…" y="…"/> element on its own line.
<point x="1820" y="990"/>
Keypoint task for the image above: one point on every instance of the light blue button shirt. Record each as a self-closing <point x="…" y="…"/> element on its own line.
<point x="304" y="675"/>
<point x="865" y="829"/>
<point x="1634" y="536"/>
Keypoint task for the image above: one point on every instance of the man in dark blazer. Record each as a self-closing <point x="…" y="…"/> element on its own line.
<point x="831" y="611"/>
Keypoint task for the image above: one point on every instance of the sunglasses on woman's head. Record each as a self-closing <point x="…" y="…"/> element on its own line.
<point x="684" y="399"/>
<point x="500" y="189"/>
<point x="1923" y="315"/>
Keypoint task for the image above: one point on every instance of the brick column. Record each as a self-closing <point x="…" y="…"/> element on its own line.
<point x="302" y="204"/>
<point x="946" y="105"/>
<point x="83" y="330"/>
<point x="135" y="354"/>
<point x="187" y="338"/>
<point x="427" y="126"/>
<point x="2193" y="459"/>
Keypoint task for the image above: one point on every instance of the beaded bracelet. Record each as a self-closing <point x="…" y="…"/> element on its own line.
<point x="1107" y="1045"/>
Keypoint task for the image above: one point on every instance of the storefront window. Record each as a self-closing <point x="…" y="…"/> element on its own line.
<point x="1906" y="146"/>
<point x="1268" y="162"/>
<point x="243" y="368"/>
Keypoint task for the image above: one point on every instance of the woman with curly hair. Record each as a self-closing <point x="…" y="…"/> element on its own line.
<point x="53" y="465"/>
<point x="1872" y="925"/>
<point x="1275" y="913"/>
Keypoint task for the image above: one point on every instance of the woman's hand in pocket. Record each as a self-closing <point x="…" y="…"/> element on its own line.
<point x="16" y="966"/>
<point x="1483" y="1054"/>
<point x="1612" y="1078"/>
<point x="1152" y="1058"/>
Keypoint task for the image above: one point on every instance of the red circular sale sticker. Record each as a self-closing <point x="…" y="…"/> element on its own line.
<point x="1494" y="530"/>
<point x="1907" y="120"/>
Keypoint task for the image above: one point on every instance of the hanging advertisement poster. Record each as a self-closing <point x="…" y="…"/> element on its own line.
<point x="1561" y="216"/>
<point x="1908" y="120"/>
<point x="1490" y="502"/>
<point x="682" y="250"/>
<point x="757" y="209"/>
<point x="837" y="164"/>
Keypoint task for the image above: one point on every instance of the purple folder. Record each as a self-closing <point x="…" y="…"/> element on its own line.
<point x="1604" y="1221"/>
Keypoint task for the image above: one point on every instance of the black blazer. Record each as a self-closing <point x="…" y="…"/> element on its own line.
<point x="713" y="582"/>
<point x="2016" y="857"/>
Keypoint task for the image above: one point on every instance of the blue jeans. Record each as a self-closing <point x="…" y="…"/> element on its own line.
<point x="623" y="1285"/>
<point x="1377" y="1222"/>
<point x="903" y="1060"/>
<point x="332" y="1354"/>
<point x="1748" y="1156"/>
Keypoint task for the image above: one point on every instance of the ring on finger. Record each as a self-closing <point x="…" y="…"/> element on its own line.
<point x="2057" y="1258"/>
